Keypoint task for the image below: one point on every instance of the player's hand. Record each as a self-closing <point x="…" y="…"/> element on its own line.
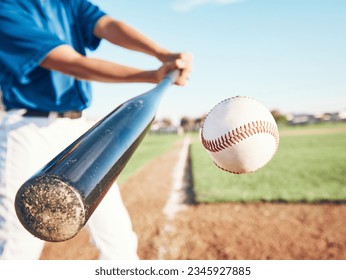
<point x="181" y="61"/>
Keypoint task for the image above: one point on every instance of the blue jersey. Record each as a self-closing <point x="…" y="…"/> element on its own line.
<point x="29" y="30"/>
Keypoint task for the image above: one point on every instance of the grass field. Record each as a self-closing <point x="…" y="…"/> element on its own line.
<point x="310" y="165"/>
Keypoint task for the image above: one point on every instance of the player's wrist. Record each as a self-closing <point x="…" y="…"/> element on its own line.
<point x="164" y="55"/>
<point x="150" y="76"/>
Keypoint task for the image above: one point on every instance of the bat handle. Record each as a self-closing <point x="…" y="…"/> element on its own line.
<point x="173" y="75"/>
<point x="167" y="81"/>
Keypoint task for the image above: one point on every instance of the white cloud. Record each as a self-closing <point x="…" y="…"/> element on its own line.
<point x="188" y="5"/>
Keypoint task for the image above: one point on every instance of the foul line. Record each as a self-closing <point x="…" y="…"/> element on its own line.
<point x="175" y="202"/>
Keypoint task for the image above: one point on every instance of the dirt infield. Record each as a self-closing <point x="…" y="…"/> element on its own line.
<point x="219" y="231"/>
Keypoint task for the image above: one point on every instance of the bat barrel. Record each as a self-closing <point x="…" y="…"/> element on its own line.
<point x="50" y="208"/>
<point x="58" y="200"/>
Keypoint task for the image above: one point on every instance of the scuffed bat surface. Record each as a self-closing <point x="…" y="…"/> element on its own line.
<point x="50" y="208"/>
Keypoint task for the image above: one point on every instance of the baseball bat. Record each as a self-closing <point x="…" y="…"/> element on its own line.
<point x="57" y="201"/>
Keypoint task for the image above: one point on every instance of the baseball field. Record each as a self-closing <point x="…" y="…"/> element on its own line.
<point x="184" y="207"/>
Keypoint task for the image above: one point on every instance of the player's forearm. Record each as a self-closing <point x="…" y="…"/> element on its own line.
<point x="103" y="71"/>
<point x="123" y="35"/>
<point x="64" y="59"/>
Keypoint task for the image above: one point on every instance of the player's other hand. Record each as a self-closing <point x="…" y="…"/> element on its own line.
<point x="181" y="61"/>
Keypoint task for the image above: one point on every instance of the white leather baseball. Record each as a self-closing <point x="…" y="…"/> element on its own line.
<point x="240" y="134"/>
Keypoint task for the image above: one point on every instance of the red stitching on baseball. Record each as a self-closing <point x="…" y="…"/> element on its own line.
<point x="239" y="134"/>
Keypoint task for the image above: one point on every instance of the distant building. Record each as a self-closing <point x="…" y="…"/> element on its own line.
<point x="163" y="126"/>
<point x="301" y="119"/>
<point x="305" y="119"/>
<point x="342" y="115"/>
<point x="192" y="125"/>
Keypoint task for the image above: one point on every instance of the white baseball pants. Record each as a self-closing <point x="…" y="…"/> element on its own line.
<point x="26" y="145"/>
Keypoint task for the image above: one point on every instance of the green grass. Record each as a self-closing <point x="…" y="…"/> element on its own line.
<point x="151" y="147"/>
<point x="305" y="168"/>
<point x="321" y="125"/>
<point x="308" y="168"/>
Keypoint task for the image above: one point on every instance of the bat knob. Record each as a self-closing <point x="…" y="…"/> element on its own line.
<point x="50" y="209"/>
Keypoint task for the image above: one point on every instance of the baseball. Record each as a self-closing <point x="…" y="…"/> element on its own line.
<point x="240" y="134"/>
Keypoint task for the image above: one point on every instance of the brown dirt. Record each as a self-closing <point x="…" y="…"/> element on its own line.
<point x="260" y="231"/>
<point x="218" y="231"/>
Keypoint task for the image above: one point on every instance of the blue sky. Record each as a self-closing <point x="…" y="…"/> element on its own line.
<point x="288" y="54"/>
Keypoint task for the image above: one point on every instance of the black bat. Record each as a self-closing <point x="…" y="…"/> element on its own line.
<point x="56" y="202"/>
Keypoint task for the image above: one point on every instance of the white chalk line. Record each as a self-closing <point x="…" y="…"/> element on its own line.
<point x="175" y="202"/>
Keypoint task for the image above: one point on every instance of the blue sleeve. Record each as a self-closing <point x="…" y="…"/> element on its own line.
<point x="23" y="45"/>
<point x="88" y="15"/>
